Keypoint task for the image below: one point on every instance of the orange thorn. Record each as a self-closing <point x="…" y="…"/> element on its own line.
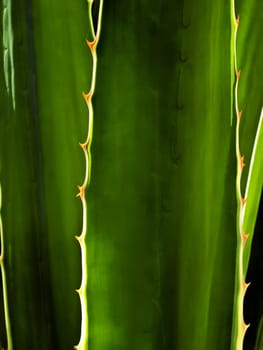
<point x="244" y="288"/>
<point x="81" y="192"/>
<point x="83" y="146"/>
<point x="238" y="73"/>
<point x="244" y="237"/>
<point x="91" y="44"/>
<point x="246" y="285"/>
<point x="239" y="115"/>
<point x="237" y="20"/>
<point x="245" y="327"/>
<point x="242" y="163"/>
<point x="87" y="96"/>
<point x="243" y="201"/>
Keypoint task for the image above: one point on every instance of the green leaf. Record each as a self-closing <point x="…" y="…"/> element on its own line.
<point x="253" y="189"/>
<point x="161" y="238"/>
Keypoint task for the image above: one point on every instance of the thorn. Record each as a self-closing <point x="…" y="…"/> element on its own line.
<point x="91" y="44"/>
<point x="244" y="288"/>
<point x="79" y="291"/>
<point x="80" y="239"/>
<point x="246" y="285"/>
<point x="237" y="20"/>
<point x="81" y="192"/>
<point x="242" y="163"/>
<point x="238" y="73"/>
<point x="239" y="115"/>
<point x="244" y="238"/>
<point x="243" y="201"/>
<point x="87" y="96"/>
<point x="83" y="146"/>
<point x="245" y="327"/>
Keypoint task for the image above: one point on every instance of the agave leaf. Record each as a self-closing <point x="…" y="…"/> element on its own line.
<point x="41" y="165"/>
<point x="161" y="203"/>
<point x="163" y="179"/>
<point x="253" y="189"/>
<point x="250" y="95"/>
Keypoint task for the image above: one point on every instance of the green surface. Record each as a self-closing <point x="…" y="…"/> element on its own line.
<point x="162" y="206"/>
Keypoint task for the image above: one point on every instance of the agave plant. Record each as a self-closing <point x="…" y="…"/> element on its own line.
<point x="158" y="250"/>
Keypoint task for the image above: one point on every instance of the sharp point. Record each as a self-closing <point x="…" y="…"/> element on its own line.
<point x="91" y="44"/>
<point x="87" y="96"/>
<point x="81" y="192"/>
<point x="242" y="163"/>
<point x="239" y="115"/>
<point x="245" y="327"/>
<point x="83" y="146"/>
<point x="245" y="285"/>
<point x="243" y="200"/>
<point x="79" y="291"/>
<point x="245" y="237"/>
<point x="238" y="73"/>
<point x="248" y="284"/>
